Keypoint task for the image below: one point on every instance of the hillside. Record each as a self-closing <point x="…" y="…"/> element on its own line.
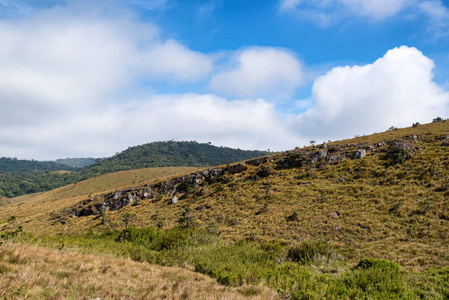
<point x="172" y="154"/>
<point x="76" y="162"/>
<point x="13" y="165"/>
<point x="24" y="179"/>
<point x="361" y="218"/>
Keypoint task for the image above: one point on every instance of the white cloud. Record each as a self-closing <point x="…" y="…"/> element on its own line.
<point x="438" y="15"/>
<point x="248" y="124"/>
<point x="260" y="72"/>
<point x="396" y="90"/>
<point x="329" y="12"/>
<point x="60" y="61"/>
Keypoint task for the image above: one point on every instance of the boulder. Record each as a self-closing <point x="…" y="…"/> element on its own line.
<point x="361" y="153"/>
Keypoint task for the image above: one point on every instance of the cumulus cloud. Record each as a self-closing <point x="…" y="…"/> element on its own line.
<point x="260" y="72"/>
<point x="61" y="61"/>
<point x="247" y="124"/>
<point x="396" y="90"/>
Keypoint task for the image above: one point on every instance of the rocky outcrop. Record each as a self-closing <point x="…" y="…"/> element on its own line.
<point x="359" y="154"/>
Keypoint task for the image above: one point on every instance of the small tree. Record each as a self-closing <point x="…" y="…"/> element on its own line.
<point x="188" y="218"/>
<point x="128" y="218"/>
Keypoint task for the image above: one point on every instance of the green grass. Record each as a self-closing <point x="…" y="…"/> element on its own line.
<point x="303" y="270"/>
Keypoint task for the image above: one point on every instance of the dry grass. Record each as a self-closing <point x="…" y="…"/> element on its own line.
<point x="34" y="211"/>
<point x="396" y="212"/>
<point x="30" y="272"/>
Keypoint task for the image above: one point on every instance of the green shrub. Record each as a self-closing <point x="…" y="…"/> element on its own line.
<point x="367" y="263"/>
<point x="313" y="252"/>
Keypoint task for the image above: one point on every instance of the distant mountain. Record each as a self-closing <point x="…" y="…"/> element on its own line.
<point x="79" y="162"/>
<point x="19" y="177"/>
<point x="14" y="165"/>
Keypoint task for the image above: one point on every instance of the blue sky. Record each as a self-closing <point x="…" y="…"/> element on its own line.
<point x="90" y="78"/>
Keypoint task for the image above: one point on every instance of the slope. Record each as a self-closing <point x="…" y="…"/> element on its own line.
<point x="320" y="222"/>
<point x="157" y="154"/>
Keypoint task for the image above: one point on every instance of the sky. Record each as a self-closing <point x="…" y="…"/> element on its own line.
<point x="92" y="78"/>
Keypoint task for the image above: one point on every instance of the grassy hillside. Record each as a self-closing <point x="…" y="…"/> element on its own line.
<point x="26" y="180"/>
<point x="311" y="223"/>
<point x="25" y="275"/>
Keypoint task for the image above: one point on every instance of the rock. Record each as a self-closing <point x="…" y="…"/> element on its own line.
<point x="116" y="196"/>
<point x="237" y="168"/>
<point x="342" y="179"/>
<point x="335" y="214"/>
<point x="215" y="173"/>
<point x="335" y="158"/>
<point x="323" y="146"/>
<point x="145" y="195"/>
<point x="446" y="136"/>
<point x="318" y="156"/>
<point x="361" y="153"/>
<point x="174" y="200"/>
<point x="338" y="228"/>
<point x="130" y="197"/>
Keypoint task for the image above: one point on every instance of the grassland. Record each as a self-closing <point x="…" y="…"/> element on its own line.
<point x="244" y="228"/>
<point x="30" y="272"/>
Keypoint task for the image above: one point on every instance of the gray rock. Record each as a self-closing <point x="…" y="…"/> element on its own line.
<point x="338" y="228"/>
<point x="323" y="146"/>
<point x="237" y="168"/>
<point x="361" y="153"/>
<point x="174" y="200"/>
<point x="342" y="179"/>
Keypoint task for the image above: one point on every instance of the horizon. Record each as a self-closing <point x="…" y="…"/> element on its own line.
<point x="88" y="80"/>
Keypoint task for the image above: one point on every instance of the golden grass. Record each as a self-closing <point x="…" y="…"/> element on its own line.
<point x="31" y="272"/>
<point x="34" y="211"/>
<point x="396" y="212"/>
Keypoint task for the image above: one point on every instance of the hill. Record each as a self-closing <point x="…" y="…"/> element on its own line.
<point x="360" y="218"/>
<point x="77" y="162"/>
<point x="26" y="180"/>
<point x="14" y="165"/>
<point x="172" y="154"/>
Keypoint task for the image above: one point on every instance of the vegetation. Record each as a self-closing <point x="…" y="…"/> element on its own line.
<point x="78" y="162"/>
<point x="308" y="270"/>
<point x="308" y="224"/>
<point x="20" y="177"/>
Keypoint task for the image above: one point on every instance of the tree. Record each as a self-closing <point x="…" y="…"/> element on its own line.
<point x="128" y="218"/>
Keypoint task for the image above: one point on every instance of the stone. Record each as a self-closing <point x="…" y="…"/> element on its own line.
<point x="174" y="200"/>
<point x="238" y="168"/>
<point x="361" y="153"/>
<point x="335" y="214"/>
<point x="338" y="228"/>
<point x="342" y="179"/>
<point x="323" y="146"/>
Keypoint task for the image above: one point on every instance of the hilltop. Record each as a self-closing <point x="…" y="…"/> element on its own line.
<point x="337" y="220"/>
<point x="22" y="177"/>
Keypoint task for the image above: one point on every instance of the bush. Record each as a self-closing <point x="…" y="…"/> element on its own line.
<point x="313" y="252"/>
<point x="399" y="151"/>
<point x="265" y="171"/>
<point x="367" y="263"/>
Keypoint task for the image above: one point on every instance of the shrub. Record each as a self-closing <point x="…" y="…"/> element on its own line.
<point x="188" y="218"/>
<point x="313" y="252"/>
<point x="399" y="151"/>
<point x="265" y="171"/>
<point x="367" y="263"/>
